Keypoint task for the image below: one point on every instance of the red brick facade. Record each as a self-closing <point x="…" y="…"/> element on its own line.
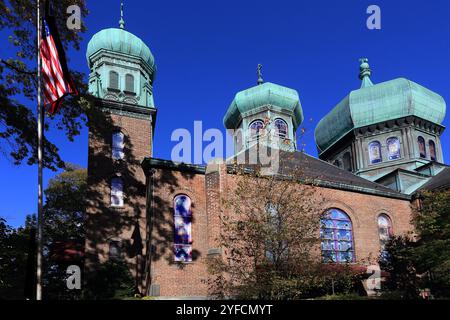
<point x="144" y="225"/>
<point x="126" y="224"/>
<point x="206" y="190"/>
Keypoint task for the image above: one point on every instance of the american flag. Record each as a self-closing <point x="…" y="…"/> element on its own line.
<point x="56" y="78"/>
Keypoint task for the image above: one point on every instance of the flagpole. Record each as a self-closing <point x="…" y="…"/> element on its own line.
<point x="40" y="124"/>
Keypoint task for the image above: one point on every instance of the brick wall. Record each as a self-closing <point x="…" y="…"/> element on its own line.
<point x="206" y="190"/>
<point x="103" y="222"/>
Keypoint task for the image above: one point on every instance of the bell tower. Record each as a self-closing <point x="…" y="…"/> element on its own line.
<point x="267" y="114"/>
<point x="121" y="123"/>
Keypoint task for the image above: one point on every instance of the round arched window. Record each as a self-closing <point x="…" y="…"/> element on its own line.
<point x="182" y="228"/>
<point x="422" y="150"/>
<point x="384" y="228"/>
<point x="281" y="128"/>
<point x="384" y="232"/>
<point x="118" y="145"/>
<point x="336" y="235"/>
<point x="393" y="146"/>
<point x="375" y="152"/>
<point x="432" y="147"/>
<point x="256" y="128"/>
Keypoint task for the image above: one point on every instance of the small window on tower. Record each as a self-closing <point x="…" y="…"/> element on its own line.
<point x="117" y="145"/>
<point x="422" y="150"/>
<point x="375" y="152"/>
<point x="256" y="128"/>
<point x="129" y="83"/>
<point x="432" y="147"/>
<point x="114" y="80"/>
<point x="393" y="146"/>
<point x="281" y="128"/>
<point x="117" y="192"/>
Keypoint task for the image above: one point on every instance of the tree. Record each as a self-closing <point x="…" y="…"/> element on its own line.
<point x="63" y="228"/>
<point x="422" y="261"/>
<point x="270" y="240"/>
<point x="432" y="251"/>
<point x="18" y="127"/>
<point x="398" y="261"/>
<point x="14" y="251"/>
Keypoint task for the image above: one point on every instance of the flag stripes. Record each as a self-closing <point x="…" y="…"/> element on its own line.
<point x="56" y="84"/>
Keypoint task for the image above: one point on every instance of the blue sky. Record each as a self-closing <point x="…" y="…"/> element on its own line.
<point x="206" y="51"/>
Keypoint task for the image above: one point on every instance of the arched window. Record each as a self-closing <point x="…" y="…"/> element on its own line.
<point x="384" y="231"/>
<point x="375" y="152"/>
<point x="129" y="83"/>
<point x="276" y="248"/>
<point x="117" y="145"/>
<point x="347" y="161"/>
<point x="393" y="146"/>
<point x="116" y="192"/>
<point x="336" y="235"/>
<point x="281" y="128"/>
<point x="432" y="147"/>
<point x="182" y="228"/>
<point x="114" y="80"/>
<point x="422" y="150"/>
<point x="255" y="128"/>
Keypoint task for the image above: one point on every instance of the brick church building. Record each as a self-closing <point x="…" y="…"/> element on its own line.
<point x="377" y="148"/>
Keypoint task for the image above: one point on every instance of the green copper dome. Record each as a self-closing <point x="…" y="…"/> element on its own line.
<point x="372" y="104"/>
<point x="121" y="41"/>
<point x="278" y="97"/>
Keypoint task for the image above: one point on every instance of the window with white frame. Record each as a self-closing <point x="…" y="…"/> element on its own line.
<point x="118" y="145"/>
<point x="281" y="128"/>
<point x="117" y="192"/>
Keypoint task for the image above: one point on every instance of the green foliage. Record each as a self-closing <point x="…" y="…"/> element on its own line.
<point x="65" y="205"/>
<point x="269" y="240"/>
<point x="64" y="211"/>
<point x="14" y="245"/>
<point x="432" y="253"/>
<point x="112" y="280"/>
<point x="423" y="262"/>
<point x="399" y="263"/>
<point x="18" y="128"/>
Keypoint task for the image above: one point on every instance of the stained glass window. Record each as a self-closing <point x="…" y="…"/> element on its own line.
<point x="182" y="228"/>
<point x="117" y="145"/>
<point x="375" y="152"/>
<point x="384" y="231"/>
<point x="255" y="128"/>
<point x="113" y="80"/>
<point x="116" y="192"/>
<point x="422" y="150"/>
<point x="281" y="128"/>
<point x="129" y="83"/>
<point x="336" y="237"/>
<point x="432" y="147"/>
<point x="393" y="146"/>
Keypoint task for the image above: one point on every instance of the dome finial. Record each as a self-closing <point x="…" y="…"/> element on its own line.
<point x="365" y="73"/>
<point x="121" y="21"/>
<point x="259" y="73"/>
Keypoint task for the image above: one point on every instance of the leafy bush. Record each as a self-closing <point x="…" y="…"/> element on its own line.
<point x="112" y="280"/>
